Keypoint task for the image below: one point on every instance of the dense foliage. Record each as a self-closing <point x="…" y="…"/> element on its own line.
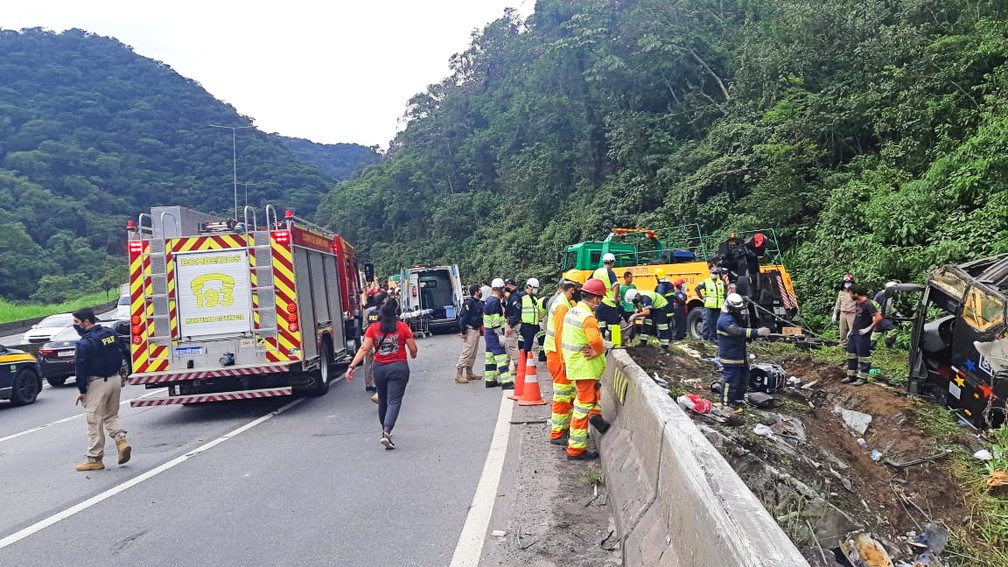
<point x="338" y="161"/>
<point x="870" y="134"/>
<point x="92" y="134"/>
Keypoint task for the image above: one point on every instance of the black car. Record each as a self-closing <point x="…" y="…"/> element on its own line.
<point x="20" y="379"/>
<point x="56" y="357"/>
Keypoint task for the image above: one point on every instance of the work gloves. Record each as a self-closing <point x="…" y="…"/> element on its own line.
<point x="864" y="331"/>
<point x="763" y="331"/>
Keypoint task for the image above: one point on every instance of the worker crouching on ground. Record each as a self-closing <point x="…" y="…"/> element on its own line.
<point x="496" y="371"/>
<point x="531" y="314"/>
<point x="866" y="318"/>
<point x="563" y="390"/>
<point x="732" y="337"/>
<point x="652" y="307"/>
<point x="470" y="327"/>
<point x="98" y="359"/>
<point x="584" y="361"/>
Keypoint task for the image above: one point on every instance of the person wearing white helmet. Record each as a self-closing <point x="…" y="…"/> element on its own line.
<point x="531" y="314"/>
<point x="608" y="312"/>
<point x="496" y="372"/>
<point x="732" y="336"/>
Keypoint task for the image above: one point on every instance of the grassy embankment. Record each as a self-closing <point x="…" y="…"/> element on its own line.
<point x="10" y="311"/>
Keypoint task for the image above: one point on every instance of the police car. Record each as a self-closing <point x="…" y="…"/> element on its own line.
<point x="20" y="378"/>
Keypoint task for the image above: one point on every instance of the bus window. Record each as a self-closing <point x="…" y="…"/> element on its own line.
<point x="983" y="311"/>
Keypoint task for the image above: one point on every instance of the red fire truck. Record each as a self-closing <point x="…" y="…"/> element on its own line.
<point x="229" y="310"/>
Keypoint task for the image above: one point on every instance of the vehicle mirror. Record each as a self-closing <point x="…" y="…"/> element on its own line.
<point x="35" y="326"/>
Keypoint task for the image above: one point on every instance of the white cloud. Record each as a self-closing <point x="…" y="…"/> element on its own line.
<point x="335" y="71"/>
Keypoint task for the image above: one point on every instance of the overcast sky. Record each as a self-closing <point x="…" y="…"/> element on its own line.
<point x="336" y="71"/>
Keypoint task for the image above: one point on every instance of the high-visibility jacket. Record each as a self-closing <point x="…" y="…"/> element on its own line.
<point x="532" y="311"/>
<point x="714" y="293"/>
<point x="656" y="300"/>
<point x="493" y="313"/>
<point x="608" y="277"/>
<point x="554" y="320"/>
<point x="580" y="329"/>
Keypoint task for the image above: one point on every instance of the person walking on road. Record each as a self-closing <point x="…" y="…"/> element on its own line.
<point x="732" y="337"/>
<point x="844" y="307"/>
<point x="584" y="360"/>
<point x="563" y="390"/>
<point x="712" y="292"/>
<point x="866" y="318"/>
<point x="497" y="371"/>
<point x="98" y="360"/>
<point x="389" y="339"/>
<point x="470" y="327"/>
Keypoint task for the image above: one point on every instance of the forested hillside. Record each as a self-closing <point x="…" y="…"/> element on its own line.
<point x="92" y="134"/>
<point x="338" y="161"/>
<point x="871" y="134"/>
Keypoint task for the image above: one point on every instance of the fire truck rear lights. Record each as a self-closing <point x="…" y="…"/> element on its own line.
<point x="291" y="308"/>
<point x="289" y="214"/>
<point x="292" y="317"/>
<point x="137" y="340"/>
<point x="130" y="225"/>
<point x="293" y="327"/>
<point x="135" y="329"/>
<point x="135" y="320"/>
<point x="282" y="236"/>
<point x="135" y="246"/>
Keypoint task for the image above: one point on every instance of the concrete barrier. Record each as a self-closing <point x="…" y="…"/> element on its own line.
<point x="676" y="500"/>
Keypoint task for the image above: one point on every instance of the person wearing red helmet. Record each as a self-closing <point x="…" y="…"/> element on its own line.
<point x="845" y="307"/>
<point x="584" y="361"/>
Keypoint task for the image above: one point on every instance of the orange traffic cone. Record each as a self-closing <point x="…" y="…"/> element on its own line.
<point x="531" y="395"/>
<point x="519" y="377"/>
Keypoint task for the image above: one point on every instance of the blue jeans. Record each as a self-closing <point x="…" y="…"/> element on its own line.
<point x="710" y="324"/>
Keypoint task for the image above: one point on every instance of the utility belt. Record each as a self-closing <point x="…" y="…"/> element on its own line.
<point x="105" y="378"/>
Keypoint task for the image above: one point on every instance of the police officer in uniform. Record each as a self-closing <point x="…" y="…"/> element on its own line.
<point x="370" y="315"/>
<point x="99" y="358"/>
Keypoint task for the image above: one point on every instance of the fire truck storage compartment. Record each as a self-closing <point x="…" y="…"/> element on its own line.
<point x="315" y="277"/>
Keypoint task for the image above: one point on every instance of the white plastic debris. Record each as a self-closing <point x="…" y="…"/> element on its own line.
<point x="498" y="533"/>
<point x="983" y="455"/>
<point x="763" y="430"/>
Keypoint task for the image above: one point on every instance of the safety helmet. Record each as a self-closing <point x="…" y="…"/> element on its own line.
<point x="848" y="277"/>
<point x="631" y="295"/>
<point x="678" y="282"/>
<point x="533" y="283"/>
<point x="734" y="302"/>
<point x="497" y="283"/>
<point x="890" y="284"/>
<point x="510" y="281"/>
<point x="660" y="273"/>
<point x="594" y="286"/>
<point x="608" y="258"/>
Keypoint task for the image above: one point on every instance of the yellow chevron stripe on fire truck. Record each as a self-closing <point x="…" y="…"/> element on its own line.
<point x="288" y="332"/>
<point x="170" y="279"/>
<point x="215" y="242"/>
<point x="254" y="279"/>
<point x="138" y="311"/>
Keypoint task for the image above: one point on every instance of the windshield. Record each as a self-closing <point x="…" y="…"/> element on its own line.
<point x="61" y="320"/>
<point x="124" y="300"/>
<point x="68" y="334"/>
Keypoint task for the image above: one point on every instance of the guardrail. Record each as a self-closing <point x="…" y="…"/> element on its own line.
<point x="675" y="499"/>
<point x="14" y="327"/>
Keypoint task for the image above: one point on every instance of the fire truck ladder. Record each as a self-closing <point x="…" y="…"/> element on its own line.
<point x="156" y="303"/>
<point x="262" y="288"/>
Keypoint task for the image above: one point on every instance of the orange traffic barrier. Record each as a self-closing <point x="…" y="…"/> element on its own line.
<point x="519" y="377"/>
<point x="531" y="394"/>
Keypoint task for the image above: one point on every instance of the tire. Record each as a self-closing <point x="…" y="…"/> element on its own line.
<point x="694" y="323"/>
<point x="57" y="382"/>
<point x="27" y="386"/>
<point x="323" y="376"/>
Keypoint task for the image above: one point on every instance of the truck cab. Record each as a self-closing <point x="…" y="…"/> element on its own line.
<point x="433" y="289"/>
<point x="958" y="342"/>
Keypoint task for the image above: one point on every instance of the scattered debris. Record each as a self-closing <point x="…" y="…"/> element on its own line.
<point x="695" y="403"/>
<point x="997" y="479"/>
<point x="856" y="421"/>
<point x="498" y="533"/>
<point x="763" y="430"/>
<point x="922" y="460"/>
<point x="809" y="385"/>
<point x="863" y="550"/>
<point x="983" y="455"/>
<point x="876" y="455"/>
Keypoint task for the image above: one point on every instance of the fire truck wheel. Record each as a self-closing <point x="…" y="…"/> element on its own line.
<point x="694" y="323"/>
<point x="323" y="376"/>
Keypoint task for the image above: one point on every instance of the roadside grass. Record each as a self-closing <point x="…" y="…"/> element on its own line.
<point x="14" y="311"/>
<point x="594" y="476"/>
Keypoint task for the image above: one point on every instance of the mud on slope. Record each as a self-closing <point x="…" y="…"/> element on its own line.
<point x="812" y="475"/>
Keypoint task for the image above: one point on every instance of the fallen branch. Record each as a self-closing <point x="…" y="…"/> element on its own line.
<point x="920" y="461"/>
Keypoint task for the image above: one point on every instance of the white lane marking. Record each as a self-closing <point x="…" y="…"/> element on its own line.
<point x="60" y="516"/>
<point x="66" y="419"/>
<point x="470" y="543"/>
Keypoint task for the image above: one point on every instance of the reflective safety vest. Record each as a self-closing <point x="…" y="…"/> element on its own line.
<point x="550" y="344"/>
<point x="493" y="316"/>
<point x="532" y="311"/>
<point x="714" y="293"/>
<point x="603" y="274"/>
<point x="658" y="300"/>
<point x="572" y="340"/>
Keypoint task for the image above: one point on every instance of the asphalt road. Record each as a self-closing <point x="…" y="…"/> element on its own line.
<point x="225" y="484"/>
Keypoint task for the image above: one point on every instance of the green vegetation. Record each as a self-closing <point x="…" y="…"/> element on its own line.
<point x="13" y="311"/>
<point x="870" y="133"/>
<point x="92" y="134"/>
